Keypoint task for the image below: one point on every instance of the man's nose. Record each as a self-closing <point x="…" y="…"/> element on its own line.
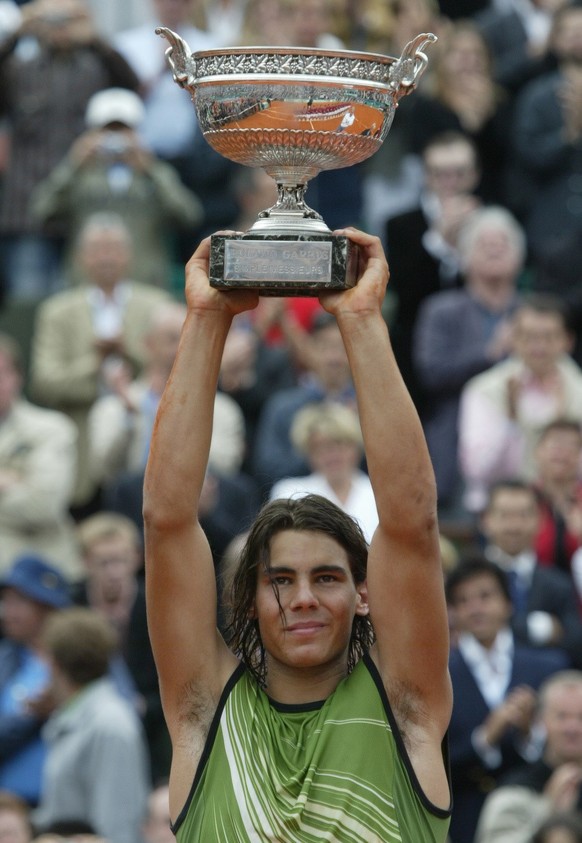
<point x="303" y="595"/>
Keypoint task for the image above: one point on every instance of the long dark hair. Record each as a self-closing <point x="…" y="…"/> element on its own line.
<point x="311" y="513"/>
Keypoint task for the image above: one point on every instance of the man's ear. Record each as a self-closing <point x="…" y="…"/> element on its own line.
<point x="362" y="607"/>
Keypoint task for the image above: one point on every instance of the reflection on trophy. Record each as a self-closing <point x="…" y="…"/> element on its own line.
<point x="293" y="112"/>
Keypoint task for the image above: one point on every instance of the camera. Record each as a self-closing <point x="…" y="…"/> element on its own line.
<point x="114" y="143"/>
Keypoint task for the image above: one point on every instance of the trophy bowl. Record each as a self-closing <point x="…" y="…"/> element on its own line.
<point x="294" y="112"/>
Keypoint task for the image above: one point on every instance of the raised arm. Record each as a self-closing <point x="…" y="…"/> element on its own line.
<point x="191" y="657"/>
<point x="405" y="582"/>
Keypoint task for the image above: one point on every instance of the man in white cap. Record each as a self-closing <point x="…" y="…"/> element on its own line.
<point x="108" y="168"/>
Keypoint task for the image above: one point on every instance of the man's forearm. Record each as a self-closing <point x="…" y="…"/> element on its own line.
<point x="397" y="456"/>
<point x="182" y="433"/>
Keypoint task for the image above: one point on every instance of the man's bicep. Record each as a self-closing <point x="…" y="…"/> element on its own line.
<point x="408" y="611"/>
<point x="181" y="607"/>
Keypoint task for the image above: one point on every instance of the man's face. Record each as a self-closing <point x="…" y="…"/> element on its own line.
<point x="493" y="255"/>
<point x="334" y="458"/>
<point x="558" y="455"/>
<point x="511" y="520"/>
<point x="480" y="608"/>
<point x="450" y="169"/>
<point x="539" y="340"/>
<point x="105" y="256"/>
<point x="310" y="625"/>
<point x="22" y="618"/>
<point x="111" y="565"/>
<point x="562" y="718"/>
<point x="331" y="360"/>
<point x="164" y="338"/>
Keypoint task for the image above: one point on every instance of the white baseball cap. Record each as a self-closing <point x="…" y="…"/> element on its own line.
<point x="114" y="105"/>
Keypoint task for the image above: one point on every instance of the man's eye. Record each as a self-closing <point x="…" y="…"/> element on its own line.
<point x="280" y="580"/>
<point x="327" y="578"/>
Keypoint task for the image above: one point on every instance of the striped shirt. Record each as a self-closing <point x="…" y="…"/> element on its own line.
<point x="335" y="770"/>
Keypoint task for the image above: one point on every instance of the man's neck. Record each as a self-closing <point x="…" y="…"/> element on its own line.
<point x="299" y="686"/>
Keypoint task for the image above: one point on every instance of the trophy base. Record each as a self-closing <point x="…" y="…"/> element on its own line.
<point x="283" y="264"/>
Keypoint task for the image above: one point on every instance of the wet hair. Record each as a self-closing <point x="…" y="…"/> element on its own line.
<point x="310" y="513"/>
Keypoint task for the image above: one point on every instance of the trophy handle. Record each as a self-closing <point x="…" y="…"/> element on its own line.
<point x="405" y="72"/>
<point x="179" y="57"/>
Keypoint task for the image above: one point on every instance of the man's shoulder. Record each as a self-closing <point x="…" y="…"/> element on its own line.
<point x="64" y="301"/>
<point x="494" y="378"/>
<point x="447" y="302"/>
<point x="28" y="416"/>
<point x="539" y="662"/>
<point x="147" y="293"/>
<point x="546" y="577"/>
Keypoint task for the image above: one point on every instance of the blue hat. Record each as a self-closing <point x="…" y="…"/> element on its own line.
<point x="34" y="578"/>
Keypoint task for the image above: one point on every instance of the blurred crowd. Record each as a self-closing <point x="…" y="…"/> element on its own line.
<point x="106" y="187"/>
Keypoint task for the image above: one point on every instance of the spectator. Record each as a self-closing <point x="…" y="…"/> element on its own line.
<point x="504" y="409"/>
<point x="96" y="768"/>
<point x="558" y="458"/>
<point x="547" y="134"/>
<point x="422" y="243"/>
<point x="494" y="681"/>
<point x="15" y="825"/>
<point x="48" y="71"/>
<point x="120" y="423"/>
<point x="38" y="458"/>
<point x="518" y="36"/>
<point x="170" y="125"/>
<point x="328" y="379"/>
<point x="83" y="335"/>
<point x="545" y="607"/>
<point x="465" y="98"/>
<point x="113" y="586"/>
<point x="330" y="438"/>
<point x="530" y="795"/>
<point x="30" y="592"/>
<point x="109" y="169"/>
<point x="460" y="333"/>
<point x="393" y="176"/>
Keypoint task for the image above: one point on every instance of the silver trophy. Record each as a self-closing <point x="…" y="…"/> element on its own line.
<point x="293" y="112"/>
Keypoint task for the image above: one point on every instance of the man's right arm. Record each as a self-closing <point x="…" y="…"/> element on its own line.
<point x="192" y="659"/>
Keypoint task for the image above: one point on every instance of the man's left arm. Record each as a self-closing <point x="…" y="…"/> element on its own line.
<point x="405" y="580"/>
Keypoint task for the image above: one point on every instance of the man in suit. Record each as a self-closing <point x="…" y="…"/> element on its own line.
<point x="84" y="335"/>
<point x="494" y="680"/>
<point x="546" y="611"/>
<point x="550" y="786"/>
<point x="38" y="458"/>
<point x="422" y="242"/>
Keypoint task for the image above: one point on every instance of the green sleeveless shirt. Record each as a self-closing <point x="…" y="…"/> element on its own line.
<point x="335" y="770"/>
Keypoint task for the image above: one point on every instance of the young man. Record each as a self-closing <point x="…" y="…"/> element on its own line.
<point x="494" y="680"/>
<point x="291" y="744"/>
